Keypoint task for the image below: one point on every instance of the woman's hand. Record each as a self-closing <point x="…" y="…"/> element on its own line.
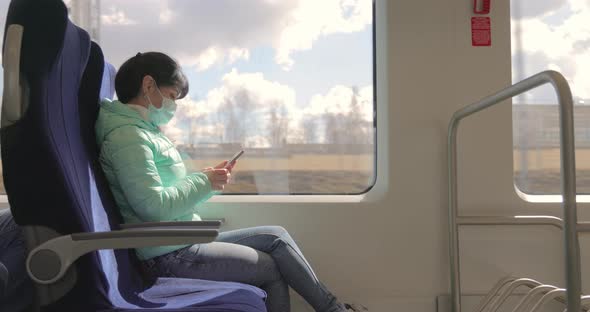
<point x="218" y="175"/>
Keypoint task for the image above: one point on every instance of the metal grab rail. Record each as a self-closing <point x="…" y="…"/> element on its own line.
<point x="530" y="296"/>
<point x="552" y="295"/>
<point x="491" y="296"/>
<point x="519" y="220"/>
<point x="509" y="290"/>
<point x="568" y="181"/>
<point x="512" y="220"/>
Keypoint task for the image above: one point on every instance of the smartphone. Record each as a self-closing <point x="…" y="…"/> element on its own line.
<point x="234" y="158"/>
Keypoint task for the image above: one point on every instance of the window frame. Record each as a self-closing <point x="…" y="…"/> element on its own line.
<point x="378" y="188"/>
<point x="277" y="197"/>
<point x="539" y="198"/>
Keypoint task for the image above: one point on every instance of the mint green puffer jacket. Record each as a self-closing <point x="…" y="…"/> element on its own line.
<point x="145" y="172"/>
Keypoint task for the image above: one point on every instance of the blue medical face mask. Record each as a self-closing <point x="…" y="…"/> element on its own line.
<point x="163" y="115"/>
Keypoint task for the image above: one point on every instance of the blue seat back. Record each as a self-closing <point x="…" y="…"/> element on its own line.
<point x="54" y="182"/>
<point x="49" y="156"/>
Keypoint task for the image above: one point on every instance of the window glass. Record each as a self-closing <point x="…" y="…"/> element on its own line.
<point x="290" y="82"/>
<point x="549" y="34"/>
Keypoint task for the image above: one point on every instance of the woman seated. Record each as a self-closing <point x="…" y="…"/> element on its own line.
<point x="150" y="183"/>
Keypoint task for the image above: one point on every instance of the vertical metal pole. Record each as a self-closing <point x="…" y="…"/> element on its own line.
<point x="568" y="180"/>
<point x="568" y="190"/>
<point x="453" y="213"/>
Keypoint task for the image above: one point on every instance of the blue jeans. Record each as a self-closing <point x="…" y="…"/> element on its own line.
<point x="266" y="257"/>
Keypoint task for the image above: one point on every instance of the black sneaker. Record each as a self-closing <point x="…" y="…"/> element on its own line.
<point x="355" y="307"/>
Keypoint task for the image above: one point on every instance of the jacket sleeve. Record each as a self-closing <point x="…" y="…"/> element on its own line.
<point x="132" y="160"/>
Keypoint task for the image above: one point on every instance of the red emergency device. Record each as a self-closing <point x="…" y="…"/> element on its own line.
<point x="481" y="32"/>
<point x="481" y="6"/>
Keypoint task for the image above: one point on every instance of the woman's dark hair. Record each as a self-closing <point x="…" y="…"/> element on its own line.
<point x="160" y="66"/>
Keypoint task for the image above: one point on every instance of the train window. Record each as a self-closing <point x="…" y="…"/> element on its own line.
<point x="552" y="34"/>
<point x="290" y="82"/>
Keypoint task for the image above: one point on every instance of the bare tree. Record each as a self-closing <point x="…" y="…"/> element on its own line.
<point x="349" y="127"/>
<point x="335" y="131"/>
<point x="236" y="113"/>
<point x="355" y="124"/>
<point x="278" y="126"/>
<point x="310" y="129"/>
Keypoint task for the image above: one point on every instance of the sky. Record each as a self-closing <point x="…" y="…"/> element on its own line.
<point x="552" y="34"/>
<point x="300" y="58"/>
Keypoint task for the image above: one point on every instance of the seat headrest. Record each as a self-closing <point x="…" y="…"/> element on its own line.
<point x="107" y="89"/>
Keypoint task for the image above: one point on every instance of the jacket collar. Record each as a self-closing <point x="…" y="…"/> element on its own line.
<point x="119" y="108"/>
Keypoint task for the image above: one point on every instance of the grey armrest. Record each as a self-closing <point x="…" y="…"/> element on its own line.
<point x="210" y="224"/>
<point x="49" y="261"/>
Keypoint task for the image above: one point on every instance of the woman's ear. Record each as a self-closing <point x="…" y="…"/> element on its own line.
<point x="147" y="84"/>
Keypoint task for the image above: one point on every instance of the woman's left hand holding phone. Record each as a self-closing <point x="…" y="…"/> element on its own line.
<point x="218" y="175"/>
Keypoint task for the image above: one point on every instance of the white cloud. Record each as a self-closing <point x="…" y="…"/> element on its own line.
<point x="579" y="4"/>
<point x="242" y="102"/>
<point x="116" y="17"/>
<point x="192" y="109"/>
<point x="563" y="47"/>
<point x="203" y="60"/>
<point x="212" y="56"/>
<point x="174" y="132"/>
<point x="205" y="33"/>
<point x="166" y="15"/>
<point x="312" y="19"/>
<point x="263" y="93"/>
<point x="581" y="82"/>
<point x="339" y="101"/>
<point x="539" y="36"/>
<point x="253" y="98"/>
<point x="537" y="8"/>
<point x="202" y="33"/>
<point x="236" y="54"/>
